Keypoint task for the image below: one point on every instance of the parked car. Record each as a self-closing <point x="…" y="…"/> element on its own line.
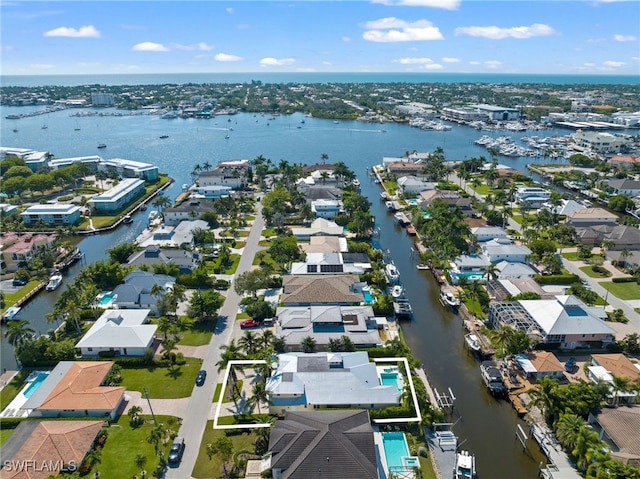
<point x="19" y="282"/>
<point x="249" y="323"/>
<point x="202" y="375"/>
<point x="570" y="366"/>
<point x="177" y="448"/>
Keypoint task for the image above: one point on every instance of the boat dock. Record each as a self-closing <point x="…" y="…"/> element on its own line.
<point x="559" y="466"/>
<point x="486" y="350"/>
<point x="443" y="445"/>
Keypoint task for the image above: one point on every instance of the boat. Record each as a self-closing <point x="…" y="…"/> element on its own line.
<point x="422" y="266"/>
<point x="227" y="137"/>
<point x="493" y="378"/>
<point x="397" y="291"/>
<point x="336" y="122"/>
<point x="162" y="137"/>
<point x="392" y="272"/>
<point x="102" y="145"/>
<point x="143" y="207"/>
<point x="355" y="182"/>
<point x="384" y="196"/>
<point x="127" y="219"/>
<point x="11" y="313"/>
<point x="473" y="343"/>
<point x="402" y="308"/>
<point x="465" y="467"/>
<point x="448" y="299"/>
<point x="44" y="127"/>
<point x="390" y="206"/>
<point x="54" y="281"/>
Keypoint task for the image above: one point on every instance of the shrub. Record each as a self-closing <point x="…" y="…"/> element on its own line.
<point x="564" y="279"/>
<point x="180" y="360"/>
<point x="107" y="354"/>
<point x="626" y="279"/>
<point x="221" y="285"/>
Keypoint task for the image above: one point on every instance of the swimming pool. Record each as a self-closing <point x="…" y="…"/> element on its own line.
<point x="395" y="448"/>
<point x="105" y="299"/>
<point x="392" y="379"/>
<point x="40" y="376"/>
<point x="368" y="297"/>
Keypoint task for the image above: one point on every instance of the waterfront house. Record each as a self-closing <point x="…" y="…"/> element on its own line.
<point x="625" y="186"/>
<point x="600" y="142"/>
<point x="404" y="168"/>
<point x="509" y="270"/>
<point x="326" y="209"/>
<point x="17" y="249"/>
<point x="605" y="367"/>
<point x="488" y="233"/>
<point x="119" y="332"/>
<point x="503" y="289"/>
<point x="52" y="214"/>
<point x="130" y="169"/>
<point x="330" y="263"/>
<point x="314" y="289"/>
<point x="513" y="253"/>
<point x="323" y="444"/>
<point x="188" y="210"/>
<point x="533" y="196"/>
<point x="118" y="197"/>
<point x="92" y="161"/>
<point x="566" y="208"/>
<point x="591" y="217"/>
<point x="186" y="261"/>
<point x="324" y="323"/>
<point x="564" y="322"/>
<point x="451" y="198"/>
<point x="212" y="192"/>
<point x="228" y="173"/>
<point x="135" y="292"/>
<point x="75" y="389"/>
<point x="471" y="267"/>
<point x="318" y="227"/>
<point x="180" y="236"/>
<point x="626" y="162"/>
<point x="307" y="381"/>
<point x="619" y="427"/>
<point x="539" y="364"/>
<point x="325" y="244"/>
<point x="411" y="185"/>
<point x="47" y="448"/>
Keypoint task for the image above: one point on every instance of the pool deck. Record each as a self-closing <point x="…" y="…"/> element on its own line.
<point x="14" y="409"/>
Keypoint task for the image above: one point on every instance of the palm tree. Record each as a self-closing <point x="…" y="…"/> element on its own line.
<point x="500" y="338"/>
<point x="156" y="436"/>
<point x="546" y="398"/>
<point x="266" y="339"/>
<point x="93" y="457"/>
<point x="473" y="291"/>
<point x="586" y="443"/>
<point x="249" y="342"/>
<point x="308" y="345"/>
<point x="134" y="414"/>
<point x="230" y="352"/>
<point x="491" y="271"/>
<point x="259" y="394"/>
<point x="161" y="202"/>
<point x="567" y="429"/>
<point x="324" y="157"/>
<point x="140" y="461"/>
<point x="19" y="333"/>
<point x="620" y="385"/>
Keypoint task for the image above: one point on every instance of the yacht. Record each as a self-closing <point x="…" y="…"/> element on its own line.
<point x="448" y="299"/>
<point x="355" y="182"/>
<point x="127" y="219"/>
<point x="473" y="343"/>
<point x="11" y="313"/>
<point x="390" y="206"/>
<point x="392" y="272"/>
<point x="465" y="467"/>
<point x="54" y="281"/>
<point x="102" y="145"/>
<point x="493" y="378"/>
<point x="397" y="291"/>
<point x="402" y="308"/>
<point x="164" y="136"/>
<point x="422" y="266"/>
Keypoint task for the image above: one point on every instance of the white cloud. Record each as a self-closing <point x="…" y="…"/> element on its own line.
<point x="327" y="63"/>
<point x="276" y="62"/>
<point x="202" y="46"/>
<point x="149" y="47"/>
<point x="446" y="4"/>
<point x="474" y="62"/>
<point x="624" y="38"/>
<point x="41" y="66"/>
<point x="126" y="68"/>
<point x="414" y="61"/>
<point x="433" y="66"/>
<point x="635" y="59"/>
<point x="492" y="63"/>
<point x="498" y="33"/>
<point x="612" y="64"/>
<point x="88" y="31"/>
<point x="224" y="57"/>
<point x="450" y="60"/>
<point x="391" y="29"/>
<point x="229" y="10"/>
<point x="346" y="39"/>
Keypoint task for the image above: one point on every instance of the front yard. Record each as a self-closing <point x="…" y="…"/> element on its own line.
<point x="162" y="382"/>
<point x="589" y="271"/>
<point x="198" y="335"/>
<point x="624" y="291"/>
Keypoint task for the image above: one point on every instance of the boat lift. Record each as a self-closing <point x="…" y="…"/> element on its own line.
<point x="445" y="400"/>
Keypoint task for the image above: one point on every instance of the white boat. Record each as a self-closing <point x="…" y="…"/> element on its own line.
<point x="392" y="272"/>
<point x="355" y="182"/>
<point x="465" y="467"/>
<point x="422" y="266"/>
<point x="54" y="281"/>
<point x="11" y="313"/>
<point x="390" y="206"/>
<point x="472" y="341"/>
<point x="397" y="291"/>
<point x="449" y="300"/>
<point x="493" y="378"/>
<point x="127" y="219"/>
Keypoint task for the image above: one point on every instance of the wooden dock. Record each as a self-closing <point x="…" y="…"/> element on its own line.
<point x="486" y="350"/>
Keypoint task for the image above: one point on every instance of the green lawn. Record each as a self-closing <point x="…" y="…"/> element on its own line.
<point x="4" y="435"/>
<point x="588" y="270"/>
<point x="211" y="468"/>
<point x="517" y="219"/>
<point x="391" y="187"/>
<point x="213" y="266"/>
<point x="624" y="291"/>
<point x="198" y="335"/>
<point x="482" y="189"/>
<point x="264" y="257"/>
<point x="268" y="232"/>
<point x="161" y="382"/>
<point x="11" y="298"/>
<point x="11" y="390"/>
<point x="124" y="443"/>
<point x="571" y="256"/>
<point x="216" y="394"/>
<point x="243" y="315"/>
<point x="474" y="308"/>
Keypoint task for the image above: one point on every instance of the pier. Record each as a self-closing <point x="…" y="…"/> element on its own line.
<point x="559" y="466"/>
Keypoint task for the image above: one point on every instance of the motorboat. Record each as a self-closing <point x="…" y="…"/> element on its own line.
<point x="392" y="272"/>
<point x="402" y="308"/>
<point x="127" y="219"/>
<point x="422" y="266"/>
<point x="390" y="206"/>
<point x="102" y="145"/>
<point x="384" y="196"/>
<point x="162" y="137"/>
<point x="11" y="313"/>
<point x="473" y="343"/>
<point x="397" y="291"/>
<point x="54" y="281"/>
<point x="493" y="378"/>
<point x="465" y="467"/>
<point x="448" y="300"/>
<point x="356" y="183"/>
<point x="143" y="207"/>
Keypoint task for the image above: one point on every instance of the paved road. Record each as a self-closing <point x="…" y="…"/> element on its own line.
<point x="200" y="404"/>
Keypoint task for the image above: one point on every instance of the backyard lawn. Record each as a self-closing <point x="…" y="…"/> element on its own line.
<point x="162" y="382"/>
<point x="210" y="468"/>
<point x="624" y="291"/>
<point x="198" y="335"/>
<point x="588" y="270"/>
<point x="124" y="443"/>
<point x="11" y="390"/>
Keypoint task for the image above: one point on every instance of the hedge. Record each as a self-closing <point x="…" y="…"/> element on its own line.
<point x="626" y="279"/>
<point x="564" y="279"/>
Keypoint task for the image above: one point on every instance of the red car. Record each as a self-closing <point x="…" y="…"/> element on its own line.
<point x="249" y="323"/>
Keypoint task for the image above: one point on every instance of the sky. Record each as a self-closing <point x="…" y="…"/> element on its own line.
<point x="215" y="36"/>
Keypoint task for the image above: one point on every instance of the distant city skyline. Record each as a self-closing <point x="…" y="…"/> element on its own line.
<point x="448" y="36"/>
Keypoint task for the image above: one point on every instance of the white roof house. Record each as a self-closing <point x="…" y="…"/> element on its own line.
<point x="327" y="263"/>
<point x="566" y="208"/>
<point x="123" y="331"/>
<point x="412" y="184"/>
<point x="508" y="270"/>
<point x="58" y="163"/>
<point x="57" y="213"/>
<point x="131" y="168"/>
<point x="487" y="233"/>
<point x="118" y="196"/>
<point x="506" y="252"/>
<point x="319" y="227"/>
<point x="305" y="380"/>
<point x="326" y="208"/>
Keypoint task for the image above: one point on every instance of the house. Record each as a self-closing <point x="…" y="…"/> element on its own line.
<point x="131" y="169"/>
<point x="626" y="187"/>
<point x="325" y="244"/>
<point x="319" y="227"/>
<point x="509" y="270"/>
<point x="186" y="211"/>
<point x="137" y="291"/>
<point x="75" y="389"/>
<point x="307" y="381"/>
<point x="52" y="214"/>
<point x="404" y="168"/>
<point x="540" y="364"/>
<point x="59" y="446"/>
<point x="591" y="217"/>
<point x="453" y="200"/>
<point x="174" y="236"/>
<point x="514" y="253"/>
<point x="313" y="289"/>
<point x="17" y="249"/>
<point x="600" y="142"/>
<point x="604" y="367"/>
<point x="503" y="289"/>
<point x="324" y="323"/>
<point x="471" y="267"/>
<point x="326" y="209"/>
<point x="619" y="427"/>
<point x="534" y="196"/>
<point x="331" y="444"/>
<point x="212" y="192"/>
<point x="7" y="210"/>
<point x="91" y="160"/>
<point x="632" y="260"/>
<point x="566" y="208"/>
<point x="125" y="332"/>
<point x="487" y="233"/>
<point x="564" y="322"/>
<point x="411" y="185"/>
<point x="119" y="196"/>
<point x="329" y="263"/>
<point x="227" y="173"/>
<point x="186" y="261"/>
<point x="626" y="162"/>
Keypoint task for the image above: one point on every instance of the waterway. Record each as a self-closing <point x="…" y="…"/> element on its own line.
<point x="487" y="426"/>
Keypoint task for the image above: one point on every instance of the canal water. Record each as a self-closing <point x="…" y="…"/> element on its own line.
<point x="486" y="426"/>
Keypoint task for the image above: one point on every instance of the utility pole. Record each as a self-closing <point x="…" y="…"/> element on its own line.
<point x="146" y="395"/>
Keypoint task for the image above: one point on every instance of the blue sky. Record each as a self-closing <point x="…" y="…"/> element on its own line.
<point x="474" y="36"/>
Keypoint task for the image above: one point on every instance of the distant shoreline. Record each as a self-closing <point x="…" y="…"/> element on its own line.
<point x="336" y="77"/>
